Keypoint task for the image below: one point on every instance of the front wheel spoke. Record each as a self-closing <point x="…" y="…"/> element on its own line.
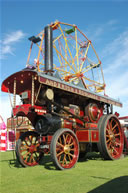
<point x="71" y="144"/>
<point x="69" y="140"/>
<point x="60" y="141"/>
<point x="73" y="149"/>
<point x="60" y="153"/>
<point x="60" y="144"/>
<point x="70" y="154"/>
<point x="59" y="159"/>
<point x="58" y="149"/>
<point x="69" y="158"/>
<point x="64" y="159"/>
<point x="64" y="139"/>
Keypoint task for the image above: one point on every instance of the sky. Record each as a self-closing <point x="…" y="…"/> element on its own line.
<point x="104" y="23"/>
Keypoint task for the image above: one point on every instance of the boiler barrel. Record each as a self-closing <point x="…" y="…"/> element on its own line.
<point x="48" y="49"/>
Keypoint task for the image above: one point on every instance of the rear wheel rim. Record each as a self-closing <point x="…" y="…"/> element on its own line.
<point x="114" y="138"/>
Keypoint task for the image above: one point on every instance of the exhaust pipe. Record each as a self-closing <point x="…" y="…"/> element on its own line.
<point x="48" y="49"/>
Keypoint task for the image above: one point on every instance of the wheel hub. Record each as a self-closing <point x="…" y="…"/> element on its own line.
<point x="66" y="149"/>
<point x="32" y="148"/>
<point x="112" y="137"/>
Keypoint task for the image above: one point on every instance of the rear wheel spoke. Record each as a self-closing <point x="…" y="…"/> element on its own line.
<point x="117" y="134"/>
<point x="114" y="126"/>
<point x="118" y="144"/>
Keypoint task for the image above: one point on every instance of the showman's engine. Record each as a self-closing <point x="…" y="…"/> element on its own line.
<point x="60" y="96"/>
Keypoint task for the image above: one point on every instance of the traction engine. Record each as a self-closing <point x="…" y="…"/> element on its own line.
<point x="59" y="94"/>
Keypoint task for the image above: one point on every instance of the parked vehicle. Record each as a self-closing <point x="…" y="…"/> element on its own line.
<point x="61" y="99"/>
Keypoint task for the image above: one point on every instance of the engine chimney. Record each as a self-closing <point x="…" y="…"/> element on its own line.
<point x="48" y="49"/>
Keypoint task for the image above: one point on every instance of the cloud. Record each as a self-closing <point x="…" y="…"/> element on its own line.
<point x="7" y="50"/>
<point x="7" y="45"/>
<point x="122" y="111"/>
<point x="5" y="106"/>
<point x="115" y="55"/>
<point x="112" y="22"/>
<point x="115" y="61"/>
<point x="13" y="37"/>
<point x="97" y="31"/>
<point x="117" y="85"/>
<point x="116" y="46"/>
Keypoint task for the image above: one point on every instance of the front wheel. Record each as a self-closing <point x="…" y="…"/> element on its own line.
<point x="64" y="149"/>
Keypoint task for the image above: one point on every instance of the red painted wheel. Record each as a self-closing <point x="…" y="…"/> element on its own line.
<point x="64" y="149"/>
<point x="111" y="137"/>
<point x="27" y="149"/>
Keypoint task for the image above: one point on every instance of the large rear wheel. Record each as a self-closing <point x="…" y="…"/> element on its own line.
<point x="64" y="149"/>
<point x="111" y="137"/>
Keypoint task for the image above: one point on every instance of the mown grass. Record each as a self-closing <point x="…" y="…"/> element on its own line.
<point x="92" y="175"/>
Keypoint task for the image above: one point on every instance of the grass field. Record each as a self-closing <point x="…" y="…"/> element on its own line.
<point x="91" y="175"/>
